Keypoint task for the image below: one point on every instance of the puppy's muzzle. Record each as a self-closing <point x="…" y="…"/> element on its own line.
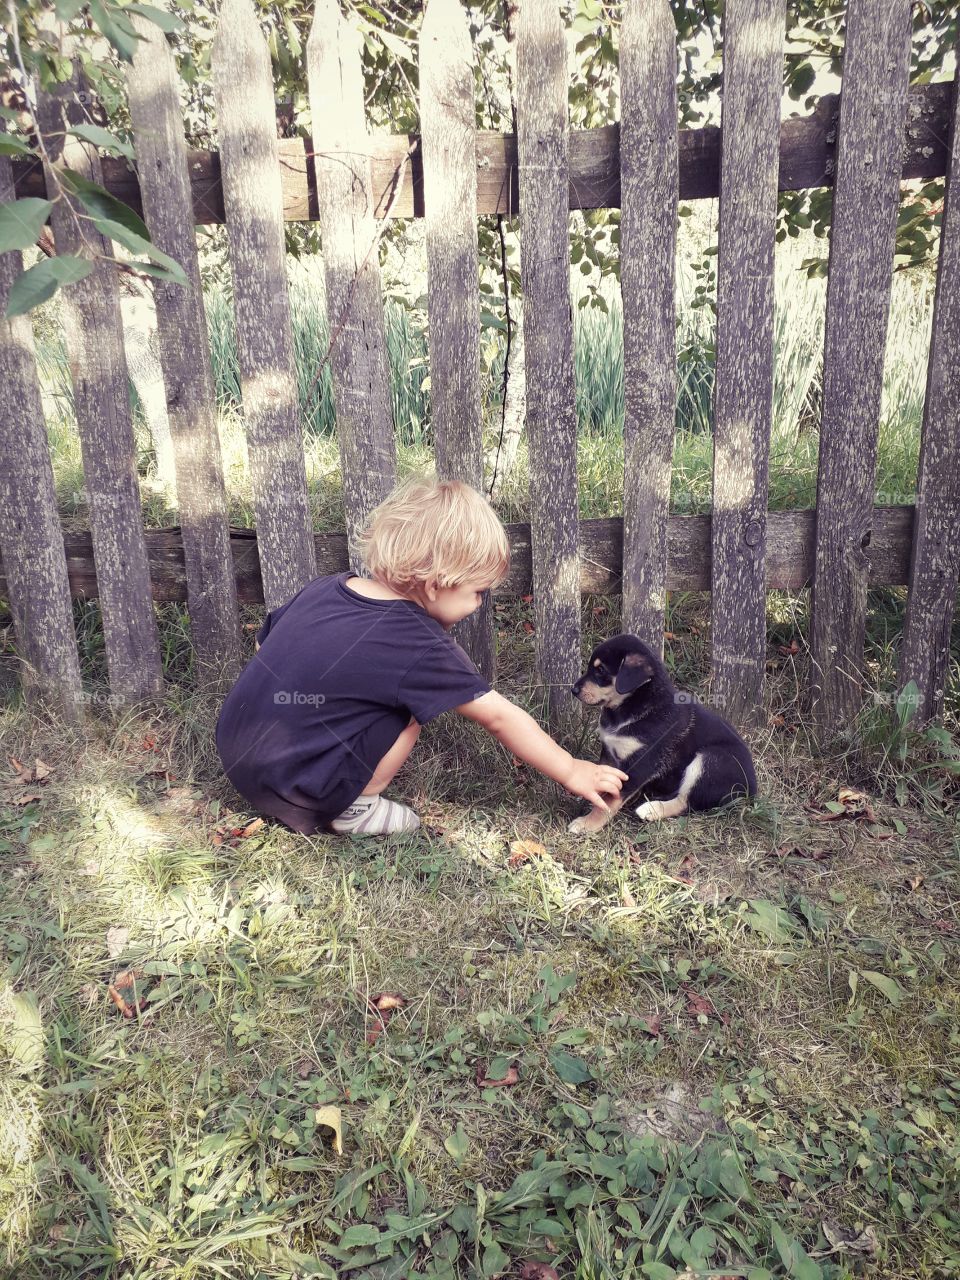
<point x="587" y="692"/>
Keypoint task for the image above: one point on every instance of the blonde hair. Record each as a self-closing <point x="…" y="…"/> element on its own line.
<point x="440" y="529"/>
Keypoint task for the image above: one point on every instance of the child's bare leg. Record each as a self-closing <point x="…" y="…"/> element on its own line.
<point x="390" y="764"/>
<point x="371" y="814"/>
<point x="596" y="819"/>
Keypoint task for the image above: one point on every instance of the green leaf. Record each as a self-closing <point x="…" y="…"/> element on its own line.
<point x="772" y="921"/>
<point x="101" y="204"/>
<point x="67" y="10"/>
<point x="658" y="1271"/>
<point x="361" y="1234"/>
<point x="42" y="282"/>
<point x="21" y="222"/>
<point x="117" y="29"/>
<point x="494" y="1260"/>
<point x="137" y="244"/>
<point x="458" y="1143"/>
<point x="799" y="1265"/>
<point x="165" y="21"/>
<point x="102" y="138"/>
<point x="570" y="1069"/>
<point x="13" y="146"/>
<point x="888" y="986"/>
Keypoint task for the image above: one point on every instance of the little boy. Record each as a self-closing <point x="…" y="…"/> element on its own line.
<point x="346" y="672"/>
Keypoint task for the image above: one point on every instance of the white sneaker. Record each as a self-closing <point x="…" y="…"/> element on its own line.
<point x="375" y="816"/>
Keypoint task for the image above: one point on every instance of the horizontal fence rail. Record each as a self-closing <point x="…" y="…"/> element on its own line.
<point x="862" y="143"/>
<point x="808" y="152"/>
<point x="789" y="556"/>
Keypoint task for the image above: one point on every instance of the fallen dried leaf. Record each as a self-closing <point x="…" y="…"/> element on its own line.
<point x="387" y="1002"/>
<point x="538" y="1271"/>
<point x="251" y="828"/>
<point x="528" y="628"/>
<point x="122" y="991"/>
<point x="330" y="1118"/>
<point x="653" y="1025"/>
<point x="795" y="851"/>
<point x="24" y="797"/>
<point x="698" y="1004"/>
<point x="117" y="939"/>
<point x="789" y="650"/>
<point x="22" y="772"/>
<point x="41" y="771"/>
<point x="523" y="850"/>
<point x="511" y="1078"/>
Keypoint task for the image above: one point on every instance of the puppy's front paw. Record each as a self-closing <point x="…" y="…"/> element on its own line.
<point x="579" y="826"/>
<point x="650" y="811"/>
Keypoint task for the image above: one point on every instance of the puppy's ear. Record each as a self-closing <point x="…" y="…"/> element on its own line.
<point x="634" y="671"/>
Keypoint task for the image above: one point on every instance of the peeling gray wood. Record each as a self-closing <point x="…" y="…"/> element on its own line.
<point x="30" y="535"/>
<point x="551" y="407"/>
<point x="185" y="358"/>
<point x="807" y="159"/>
<point x="253" y="199"/>
<point x="349" y="234"/>
<point x="789" y="559"/>
<point x="93" y="331"/>
<point x="872" y="116"/>
<point x="648" y="241"/>
<point x="743" y="393"/>
<point x="935" y="563"/>
<point x="449" y="141"/>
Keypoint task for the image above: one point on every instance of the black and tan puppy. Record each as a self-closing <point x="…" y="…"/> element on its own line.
<point x="680" y="755"/>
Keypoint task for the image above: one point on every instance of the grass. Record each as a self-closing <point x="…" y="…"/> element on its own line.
<point x="735" y="1037"/>
<point x="599" y="383"/>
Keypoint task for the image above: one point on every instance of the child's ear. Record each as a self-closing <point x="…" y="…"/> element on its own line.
<point x="634" y="671"/>
<point x="430" y="589"/>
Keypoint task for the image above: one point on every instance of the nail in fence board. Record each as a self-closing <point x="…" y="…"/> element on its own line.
<point x="936" y="545"/>
<point x="449" y="141"/>
<point x="551" y="408"/>
<point x="648" y="240"/>
<point x="753" y="34"/>
<point x="355" y="316"/>
<point x="253" y="199"/>
<point x="872" y="115"/>
<point x="93" y="333"/>
<point x="30" y="532"/>
<point x="185" y="357"/>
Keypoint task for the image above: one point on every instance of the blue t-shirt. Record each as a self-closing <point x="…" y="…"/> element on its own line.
<point x="334" y="684"/>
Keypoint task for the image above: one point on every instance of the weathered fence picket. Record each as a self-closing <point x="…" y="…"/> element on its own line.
<point x="185" y="358"/>
<point x="94" y="340"/>
<point x="551" y="407"/>
<point x="30" y="534"/>
<point x="935" y="562"/>
<point x="753" y="34"/>
<point x="449" y="146"/>
<point x="253" y="198"/>
<point x="648" y="240"/>
<point x="349" y="234"/>
<point x="872" y="115"/>
<point x="887" y="132"/>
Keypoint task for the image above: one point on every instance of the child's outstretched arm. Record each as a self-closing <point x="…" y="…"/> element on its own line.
<point x="521" y="734"/>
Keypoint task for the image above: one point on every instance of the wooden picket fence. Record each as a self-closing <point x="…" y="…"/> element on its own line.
<point x="863" y="144"/>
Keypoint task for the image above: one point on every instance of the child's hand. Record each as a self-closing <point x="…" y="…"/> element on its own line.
<point x="590" y="780"/>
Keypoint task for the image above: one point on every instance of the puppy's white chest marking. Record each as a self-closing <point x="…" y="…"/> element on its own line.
<point x="620" y="745"/>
